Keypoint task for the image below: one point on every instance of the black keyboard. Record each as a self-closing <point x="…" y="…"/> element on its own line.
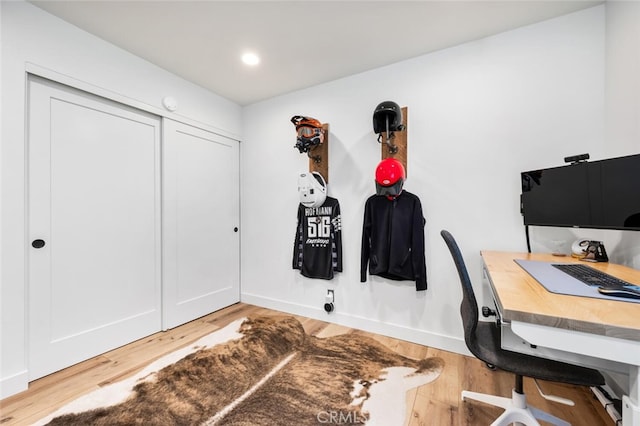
<point x="590" y="276"/>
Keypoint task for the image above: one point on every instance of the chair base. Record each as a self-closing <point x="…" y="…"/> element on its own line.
<point x="516" y="409"/>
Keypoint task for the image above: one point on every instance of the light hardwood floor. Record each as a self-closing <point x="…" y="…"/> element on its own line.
<point x="437" y="403"/>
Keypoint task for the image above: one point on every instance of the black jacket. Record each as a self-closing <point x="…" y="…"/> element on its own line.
<point x="393" y="239"/>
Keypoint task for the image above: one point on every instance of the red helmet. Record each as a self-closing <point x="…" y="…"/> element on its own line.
<point x="390" y="177"/>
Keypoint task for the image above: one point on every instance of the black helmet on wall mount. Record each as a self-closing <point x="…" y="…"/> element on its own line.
<point x="387" y="118"/>
<point x="310" y="133"/>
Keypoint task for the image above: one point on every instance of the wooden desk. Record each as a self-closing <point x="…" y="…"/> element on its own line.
<point x="598" y="328"/>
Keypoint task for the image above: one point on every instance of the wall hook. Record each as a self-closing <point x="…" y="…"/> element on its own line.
<point x="393" y="149"/>
<point x="317" y="159"/>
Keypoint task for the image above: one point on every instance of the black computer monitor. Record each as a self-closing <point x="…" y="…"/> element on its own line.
<point x="602" y="194"/>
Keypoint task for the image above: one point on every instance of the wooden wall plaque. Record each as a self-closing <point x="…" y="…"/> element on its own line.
<point x="319" y="156"/>
<point x="399" y="141"/>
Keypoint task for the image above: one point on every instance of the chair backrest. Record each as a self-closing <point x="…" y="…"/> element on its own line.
<point x="469" y="305"/>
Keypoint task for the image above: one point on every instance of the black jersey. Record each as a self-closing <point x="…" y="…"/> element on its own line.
<point x="317" y="251"/>
<point x="393" y="239"/>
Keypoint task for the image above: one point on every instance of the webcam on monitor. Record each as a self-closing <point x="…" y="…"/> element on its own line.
<point x="575" y="159"/>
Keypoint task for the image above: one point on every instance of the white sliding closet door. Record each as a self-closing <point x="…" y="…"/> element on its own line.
<point x="93" y="226"/>
<point x="201" y="269"/>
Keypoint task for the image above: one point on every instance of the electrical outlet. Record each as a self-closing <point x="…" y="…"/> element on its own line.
<point x="328" y="303"/>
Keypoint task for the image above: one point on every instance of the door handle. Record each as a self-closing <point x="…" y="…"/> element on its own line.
<point x="37" y="243"/>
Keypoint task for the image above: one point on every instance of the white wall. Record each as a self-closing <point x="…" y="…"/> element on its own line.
<point x="623" y="77"/>
<point x="622" y="125"/>
<point x="34" y="40"/>
<point x="479" y="114"/>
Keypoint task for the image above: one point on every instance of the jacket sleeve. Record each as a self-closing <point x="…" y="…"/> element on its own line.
<point x="337" y="229"/>
<point x="366" y="241"/>
<point x="297" y="242"/>
<point x="417" y="249"/>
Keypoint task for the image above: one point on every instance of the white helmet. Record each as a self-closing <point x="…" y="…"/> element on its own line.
<point x="312" y="189"/>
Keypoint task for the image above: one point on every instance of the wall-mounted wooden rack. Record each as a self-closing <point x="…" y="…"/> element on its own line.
<point x="319" y="156"/>
<point x="397" y="148"/>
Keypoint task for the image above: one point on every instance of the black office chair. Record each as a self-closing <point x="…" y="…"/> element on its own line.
<point x="483" y="340"/>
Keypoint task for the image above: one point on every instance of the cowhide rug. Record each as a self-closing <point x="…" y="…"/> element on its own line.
<point x="261" y="371"/>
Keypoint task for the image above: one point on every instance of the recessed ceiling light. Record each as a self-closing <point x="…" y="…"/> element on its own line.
<point x="250" y="59"/>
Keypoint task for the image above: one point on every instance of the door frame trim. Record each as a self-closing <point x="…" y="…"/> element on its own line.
<point x="46" y="73"/>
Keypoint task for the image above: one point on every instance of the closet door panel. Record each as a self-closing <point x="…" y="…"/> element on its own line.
<point x="201" y="212"/>
<point x="94" y="226"/>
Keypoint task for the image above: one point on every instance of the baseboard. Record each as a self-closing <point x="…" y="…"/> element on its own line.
<point x="14" y="384"/>
<point x="422" y="337"/>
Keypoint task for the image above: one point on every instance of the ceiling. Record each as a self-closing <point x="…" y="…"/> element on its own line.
<point x="301" y="43"/>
